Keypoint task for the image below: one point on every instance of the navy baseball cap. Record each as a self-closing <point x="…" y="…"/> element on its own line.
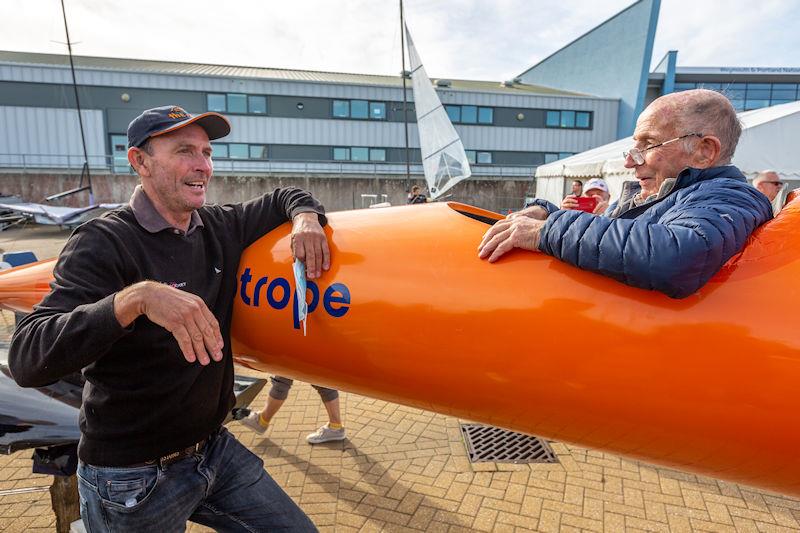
<point x="161" y="120"/>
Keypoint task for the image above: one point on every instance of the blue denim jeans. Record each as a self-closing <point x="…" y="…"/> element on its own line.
<point x="223" y="487"/>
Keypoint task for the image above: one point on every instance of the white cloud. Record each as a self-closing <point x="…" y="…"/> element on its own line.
<point x="456" y="38"/>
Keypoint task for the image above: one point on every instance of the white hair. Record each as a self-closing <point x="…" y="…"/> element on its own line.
<point x="710" y="113"/>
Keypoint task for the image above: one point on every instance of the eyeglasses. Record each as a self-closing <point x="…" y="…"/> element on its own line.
<point x="638" y="154"/>
<point x="778" y="183"/>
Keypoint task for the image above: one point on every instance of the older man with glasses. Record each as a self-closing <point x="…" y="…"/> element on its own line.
<point x="687" y="213"/>
<point x="769" y="183"/>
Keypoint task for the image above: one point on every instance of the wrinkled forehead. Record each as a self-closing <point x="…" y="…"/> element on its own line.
<point x="658" y="122"/>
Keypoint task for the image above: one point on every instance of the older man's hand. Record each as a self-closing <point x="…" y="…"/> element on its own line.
<point x="310" y="245"/>
<point x="535" y="212"/>
<point x="518" y="232"/>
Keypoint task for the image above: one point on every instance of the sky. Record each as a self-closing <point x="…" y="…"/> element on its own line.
<point x="459" y="39"/>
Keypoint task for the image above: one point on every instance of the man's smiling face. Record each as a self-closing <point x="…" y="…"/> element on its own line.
<point x="178" y="171"/>
<point x="656" y="125"/>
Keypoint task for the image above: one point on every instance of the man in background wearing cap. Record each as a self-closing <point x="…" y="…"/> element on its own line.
<point x="672" y="229"/>
<point x="595" y="188"/>
<point x="142" y="302"/>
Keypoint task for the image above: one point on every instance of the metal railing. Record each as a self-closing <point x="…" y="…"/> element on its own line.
<point x="116" y="165"/>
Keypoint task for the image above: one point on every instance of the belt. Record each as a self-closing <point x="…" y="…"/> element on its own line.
<point x="174" y="457"/>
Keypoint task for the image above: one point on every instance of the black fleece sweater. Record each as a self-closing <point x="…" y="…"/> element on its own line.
<point x="142" y="399"/>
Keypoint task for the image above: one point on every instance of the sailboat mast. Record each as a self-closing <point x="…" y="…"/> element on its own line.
<point x="78" y="106"/>
<point x="405" y="98"/>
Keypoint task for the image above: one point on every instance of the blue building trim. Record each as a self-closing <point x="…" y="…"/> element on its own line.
<point x="669" y="76"/>
<point x="646" y="60"/>
<point x="611" y="60"/>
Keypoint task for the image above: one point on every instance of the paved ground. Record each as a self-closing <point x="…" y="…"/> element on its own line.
<point x="402" y="469"/>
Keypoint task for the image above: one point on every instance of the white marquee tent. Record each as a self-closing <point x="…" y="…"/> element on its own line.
<point x="770" y="140"/>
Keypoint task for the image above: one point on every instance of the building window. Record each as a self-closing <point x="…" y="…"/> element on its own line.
<point x="453" y="112"/>
<point x="746" y="96"/>
<point x="257" y="105"/>
<point x="341" y="108"/>
<point x="550" y="158"/>
<point x="568" y="119"/>
<point x="237" y="103"/>
<point x="359" y="109"/>
<point x="219" y="150"/>
<point x="485" y="115"/>
<point x="216" y="102"/>
<point x="258" y="151"/>
<point x="358" y="153"/>
<point x="755" y="104"/>
<point x="479" y="158"/>
<point x="341" y="154"/>
<point x="377" y="110"/>
<point x="583" y="120"/>
<point x="469" y="114"/>
<point x="784" y="91"/>
<point x="238" y="151"/>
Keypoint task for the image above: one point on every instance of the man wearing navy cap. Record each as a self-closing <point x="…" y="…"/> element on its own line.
<point x="142" y="302"/>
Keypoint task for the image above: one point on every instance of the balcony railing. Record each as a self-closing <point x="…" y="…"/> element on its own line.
<point x="115" y="165"/>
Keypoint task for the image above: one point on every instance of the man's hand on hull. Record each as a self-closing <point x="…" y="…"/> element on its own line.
<point x="310" y="245"/>
<point x="535" y="212"/>
<point x="183" y="314"/>
<point x="518" y="232"/>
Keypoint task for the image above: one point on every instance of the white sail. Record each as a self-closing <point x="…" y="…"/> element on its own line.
<point x="443" y="157"/>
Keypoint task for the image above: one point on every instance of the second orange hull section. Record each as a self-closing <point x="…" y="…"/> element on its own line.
<point x="706" y="384"/>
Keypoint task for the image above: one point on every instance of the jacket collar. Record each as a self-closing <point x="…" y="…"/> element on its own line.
<point x="150" y="219"/>
<point x="687" y="177"/>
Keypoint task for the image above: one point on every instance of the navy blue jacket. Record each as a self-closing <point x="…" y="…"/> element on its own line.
<point x="674" y="245"/>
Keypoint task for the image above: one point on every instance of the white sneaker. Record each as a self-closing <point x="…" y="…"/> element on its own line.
<point x="325" y="434"/>
<point x="253" y="421"/>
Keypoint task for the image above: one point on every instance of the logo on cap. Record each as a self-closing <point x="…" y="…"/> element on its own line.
<point x="177" y="112"/>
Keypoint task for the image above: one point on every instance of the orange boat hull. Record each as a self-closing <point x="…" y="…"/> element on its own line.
<point x="409" y="314"/>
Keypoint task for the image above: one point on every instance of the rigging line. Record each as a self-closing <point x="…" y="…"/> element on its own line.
<point x="405" y="93"/>
<point x="78" y="107"/>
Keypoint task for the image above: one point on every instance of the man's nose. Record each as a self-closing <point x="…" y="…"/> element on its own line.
<point x="204" y="164"/>
<point x="629" y="162"/>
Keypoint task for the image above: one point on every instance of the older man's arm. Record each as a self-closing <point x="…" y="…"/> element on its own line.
<point x="676" y="255"/>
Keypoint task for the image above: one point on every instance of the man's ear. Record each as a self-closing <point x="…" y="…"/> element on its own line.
<point x="706" y="153"/>
<point x="138" y="159"/>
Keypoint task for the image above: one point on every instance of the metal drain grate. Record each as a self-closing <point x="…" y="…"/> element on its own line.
<point x="496" y="445"/>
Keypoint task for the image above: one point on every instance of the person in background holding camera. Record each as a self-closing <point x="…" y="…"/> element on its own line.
<point x="594" y="200"/>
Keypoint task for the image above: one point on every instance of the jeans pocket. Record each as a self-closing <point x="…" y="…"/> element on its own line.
<point x="126" y="490"/>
